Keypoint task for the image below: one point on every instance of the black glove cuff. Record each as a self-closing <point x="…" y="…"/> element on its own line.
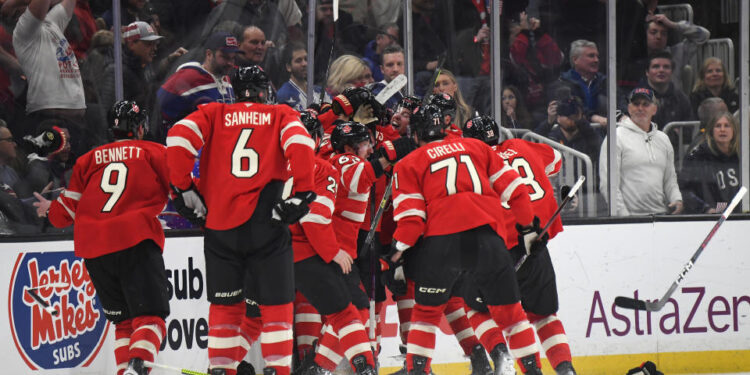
<point x="376" y="166"/>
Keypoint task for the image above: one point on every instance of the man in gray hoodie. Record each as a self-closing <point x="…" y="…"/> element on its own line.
<point x="647" y="178"/>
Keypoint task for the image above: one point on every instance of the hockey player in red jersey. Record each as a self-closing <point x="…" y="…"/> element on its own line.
<point x="246" y="149"/>
<point x="449" y="191"/>
<point x="320" y="267"/>
<point x="534" y="162"/>
<point x="115" y="193"/>
<point x="447" y="105"/>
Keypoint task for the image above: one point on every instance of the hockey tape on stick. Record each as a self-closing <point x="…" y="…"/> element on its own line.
<point x="552" y="219"/>
<point x="51" y="285"/>
<point x="175" y="369"/>
<point x="441" y="61"/>
<point x="51" y="310"/>
<point x="391" y="89"/>
<point x="636" y="304"/>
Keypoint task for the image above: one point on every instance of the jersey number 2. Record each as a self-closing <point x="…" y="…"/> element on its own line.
<point x="114" y="189"/>
<point x="244" y="160"/>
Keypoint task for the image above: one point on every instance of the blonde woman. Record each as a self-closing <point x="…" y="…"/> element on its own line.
<point x="347" y="71"/>
<point x="446" y="83"/>
<point x="713" y="81"/>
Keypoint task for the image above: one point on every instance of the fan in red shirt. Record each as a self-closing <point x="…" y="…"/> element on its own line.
<point x="115" y="193"/>
<point x="246" y="149"/>
<point x="534" y="162"/>
<point x="449" y="191"/>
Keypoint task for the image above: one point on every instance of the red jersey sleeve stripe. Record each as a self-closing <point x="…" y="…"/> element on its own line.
<point x="315" y="218"/>
<point x="403" y="197"/>
<point x="301" y="140"/>
<point x="325" y="201"/>
<point x="190" y="124"/>
<point x="68" y="210"/>
<point x="497" y="175"/>
<point x="176" y="141"/>
<point x="71" y="194"/>
<point x="508" y="192"/>
<point x="553" y="168"/>
<point x="411" y="212"/>
<point x="289" y="126"/>
<point x="353" y="216"/>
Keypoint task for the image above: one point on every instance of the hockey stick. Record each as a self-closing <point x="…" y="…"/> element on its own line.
<point x="389" y="90"/>
<point x="373" y="257"/>
<point x="330" y="55"/>
<point x="568" y="197"/>
<point x="47" y="307"/>
<point x="637" y="304"/>
<point x="441" y="61"/>
<point x="176" y="369"/>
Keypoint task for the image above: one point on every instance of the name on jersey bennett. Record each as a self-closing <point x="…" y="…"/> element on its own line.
<point x="247" y="118"/>
<point x="438" y="151"/>
<point x="113" y="154"/>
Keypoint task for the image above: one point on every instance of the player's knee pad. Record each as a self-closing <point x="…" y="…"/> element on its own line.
<point x="507" y="315"/>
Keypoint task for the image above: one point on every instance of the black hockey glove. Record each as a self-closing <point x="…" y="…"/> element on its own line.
<point x="190" y="204"/>
<point x="349" y="101"/>
<point x="646" y="368"/>
<point x="289" y="211"/>
<point x="528" y="236"/>
<point x="394" y="151"/>
<point x="393" y="273"/>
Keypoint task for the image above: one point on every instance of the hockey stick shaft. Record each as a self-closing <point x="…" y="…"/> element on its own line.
<point x="373" y="257"/>
<point x="552" y="219"/>
<point x="45" y="305"/>
<point x="435" y="75"/>
<point x="632" y="303"/>
<point x="330" y="55"/>
<point x="172" y="368"/>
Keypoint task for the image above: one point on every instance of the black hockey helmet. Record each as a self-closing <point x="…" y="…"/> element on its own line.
<point x="409" y="102"/>
<point x="309" y="118"/>
<point x="428" y="124"/>
<point x="251" y="84"/>
<point x="483" y="128"/>
<point x="446" y="103"/>
<point x="348" y="133"/>
<point x="126" y="118"/>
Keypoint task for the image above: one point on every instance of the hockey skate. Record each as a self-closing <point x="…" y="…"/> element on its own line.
<point x="503" y="360"/>
<point x="565" y="368"/>
<point x="314" y="369"/>
<point x="361" y="367"/>
<point x="479" y="363"/>
<point x="269" y="371"/>
<point x="306" y="362"/>
<point x="531" y="366"/>
<point x="245" y="368"/>
<point x="136" y="367"/>
<point x="217" y="371"/>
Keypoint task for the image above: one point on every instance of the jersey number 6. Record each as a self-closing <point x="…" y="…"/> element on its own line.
<point x="244" y="159"/>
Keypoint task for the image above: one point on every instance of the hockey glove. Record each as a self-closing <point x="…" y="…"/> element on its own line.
<point x="289" y="211"/>
<point x="190" y="204"/>
<point x="528" y="236"/>
<point x="349" y="101"/>
<point x="364" y="116"/>
<point x="393" y="273"/>
<point x="647" y="368"/>
<point x="394" y="151"/>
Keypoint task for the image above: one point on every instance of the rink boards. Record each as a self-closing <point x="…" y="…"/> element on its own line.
<point x="705" y="329"/>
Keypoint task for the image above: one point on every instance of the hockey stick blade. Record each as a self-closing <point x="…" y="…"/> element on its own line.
<point x="630" y="303"/>
<point x="183" y="371"/>
<point x="391" y="89"/>
<point x="47" y="307"/>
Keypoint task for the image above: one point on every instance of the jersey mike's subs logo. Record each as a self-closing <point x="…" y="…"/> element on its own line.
<point x="70" y="331"/>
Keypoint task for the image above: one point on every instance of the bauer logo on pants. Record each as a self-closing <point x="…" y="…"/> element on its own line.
<point x="74" y="335"/>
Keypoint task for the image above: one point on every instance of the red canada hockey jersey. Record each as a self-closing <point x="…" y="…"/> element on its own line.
<point x="352" y="197"/>
<point x="245" y="146"/>
<point x="115" y="193"/>
<point x="453" y="185"/>
<point x="533" y="162"/>
<point x="313" y="234"/>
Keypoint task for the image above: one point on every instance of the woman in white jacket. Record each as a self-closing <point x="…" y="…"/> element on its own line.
<point x="645" y="157"/>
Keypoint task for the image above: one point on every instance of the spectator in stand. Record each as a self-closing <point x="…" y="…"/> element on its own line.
<point x="710" y="176"/>
<point x="584" y="81"/>
<point x="253" y="46"/>
<point x="514" y="112"/>
<point x="647" y="179"/>
<point x="386" y="36"/>
<point x="392" y="67"/>
<point x="713" y="81"/>
<point x="130" y="11"/>
<point x="55" y="88"/>
<point x="262" y="13"/>
<point x="674" y="104"/>
<point x="429" y="44"/>
<point x="690" y="37"/>
<point x="709" y="108"/>
<point x="347" y="71"/>
<point x="567" y="125"/>
<point x="196" y="83"/>
<point x="48" y="165"/>
<point x="81" y="29"/>
<point x="538" y="55"/>
<point x="16" y="216"/>
<point x="446" y="83"/>
<point x="9" y="177"/>
<point x="294" y="92"/>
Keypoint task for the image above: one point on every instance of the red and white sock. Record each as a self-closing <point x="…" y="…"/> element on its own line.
<point x="518" y="332"/>
<point x="489" y="334"/>
<point x="307" y="324"/>
<point x="276" y="338"/>
<point x="351" y="334"/>
<point x="421" y="341"/>
<point x="224" y="340"/>
<point x="148" y="331"/>
<point x="552" y="335"/>
<point x="456" y="316"/>
<point x="123" y="330"/>
<point x="405" y="304"/>
<point x="329" y="353"/>
<point x="249" y="334"/>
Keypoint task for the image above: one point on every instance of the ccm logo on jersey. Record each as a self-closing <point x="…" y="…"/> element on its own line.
<point x="247" y="118"/>
<point x="424" y="289"/>
<point x="74" y="336"/>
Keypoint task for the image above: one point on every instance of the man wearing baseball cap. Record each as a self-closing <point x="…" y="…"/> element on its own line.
<point x="196" y="83"/>
<point x="648" y="182"/>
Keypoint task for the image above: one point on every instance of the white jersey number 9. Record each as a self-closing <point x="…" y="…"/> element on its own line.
<point x="118" y="187"/>
<point x="244" y="160"/>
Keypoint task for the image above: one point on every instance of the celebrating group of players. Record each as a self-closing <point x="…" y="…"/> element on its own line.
<point x="286" y="201"/>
